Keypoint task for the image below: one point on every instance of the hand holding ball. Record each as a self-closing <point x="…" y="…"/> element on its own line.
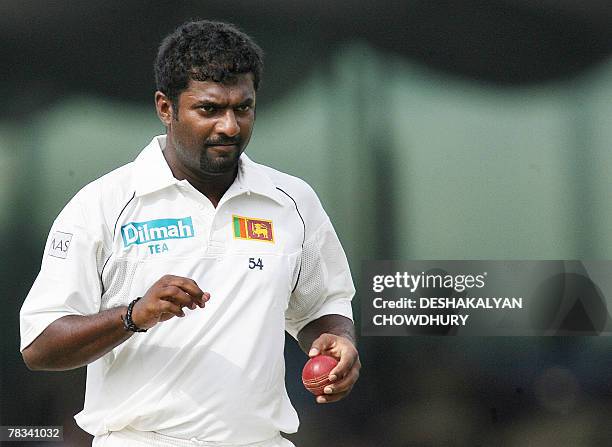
<point x="315" y="373"/>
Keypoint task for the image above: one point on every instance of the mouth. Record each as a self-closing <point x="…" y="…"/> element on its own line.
<point x="223" y="147"/>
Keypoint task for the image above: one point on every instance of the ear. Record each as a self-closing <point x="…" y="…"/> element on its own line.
<point x="163" y="105"/>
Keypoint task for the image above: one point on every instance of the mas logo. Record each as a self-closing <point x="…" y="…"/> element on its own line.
<point x="253" y="229"/>
<point x="156" y="230"/>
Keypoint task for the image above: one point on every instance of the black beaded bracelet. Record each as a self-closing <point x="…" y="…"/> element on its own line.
<point x="128" y="324"/>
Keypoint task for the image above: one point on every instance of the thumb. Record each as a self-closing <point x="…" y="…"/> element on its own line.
<point x="323" y="343"/>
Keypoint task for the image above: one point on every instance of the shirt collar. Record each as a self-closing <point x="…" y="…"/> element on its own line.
<point x="152" y="170"/>
<point x="154" y="174"/>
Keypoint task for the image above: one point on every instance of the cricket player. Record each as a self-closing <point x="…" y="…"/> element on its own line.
<point x="175" y="277"/>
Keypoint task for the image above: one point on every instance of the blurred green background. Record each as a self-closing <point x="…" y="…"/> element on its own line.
<point x="429" y="129"/>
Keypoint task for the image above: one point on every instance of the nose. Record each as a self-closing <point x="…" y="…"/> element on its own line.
<point x="227" y="124"/>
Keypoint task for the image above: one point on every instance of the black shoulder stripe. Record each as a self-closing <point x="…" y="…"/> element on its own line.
<point x="114" y="232"/>
<point x="297" y="281"/>
<point x="122" y="210"/>
<point x="104" y="266"/>
<point x="299" y="214"/>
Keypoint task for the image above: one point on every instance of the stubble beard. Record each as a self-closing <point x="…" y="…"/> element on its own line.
<point x="219" y="164"/>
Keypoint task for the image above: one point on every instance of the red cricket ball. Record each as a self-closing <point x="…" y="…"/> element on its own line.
<point x="315" y="373"/>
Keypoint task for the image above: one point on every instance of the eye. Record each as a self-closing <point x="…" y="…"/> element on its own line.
<point x="207" y="108"/>
<point x="243" y="108"/>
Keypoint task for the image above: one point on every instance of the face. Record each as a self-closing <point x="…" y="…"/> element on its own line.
<point x="213" y="125"/>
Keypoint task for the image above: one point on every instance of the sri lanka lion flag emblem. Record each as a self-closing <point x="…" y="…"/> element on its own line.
<point x="253" y="229"/>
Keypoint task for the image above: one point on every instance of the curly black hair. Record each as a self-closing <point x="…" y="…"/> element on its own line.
<point x="205" y="51"/>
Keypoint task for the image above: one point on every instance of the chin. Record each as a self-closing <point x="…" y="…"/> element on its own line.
<point x="220" y="165"/>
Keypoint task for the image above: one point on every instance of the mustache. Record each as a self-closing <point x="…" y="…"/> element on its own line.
<point x="222" y="141"/>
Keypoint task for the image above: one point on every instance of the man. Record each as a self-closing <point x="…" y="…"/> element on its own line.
<point x="174" y="277"/>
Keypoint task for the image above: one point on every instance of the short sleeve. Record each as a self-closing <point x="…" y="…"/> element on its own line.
<point x="324" y="285"/>
<point x="68" y="282"/>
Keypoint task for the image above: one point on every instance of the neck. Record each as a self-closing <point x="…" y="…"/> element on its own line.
<point x="212" y="185"/>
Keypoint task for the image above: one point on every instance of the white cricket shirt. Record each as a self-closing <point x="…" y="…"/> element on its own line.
<point x="267" y="254"/>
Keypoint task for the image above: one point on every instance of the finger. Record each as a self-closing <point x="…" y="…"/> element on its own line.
<point x="188" y="285"/>
<point x="171" y="308"/>
<point x="199" y="299"/>
<point x="344" y="384"/>
<point x="177" y="296"/>
<point x="325" y="342"/>
<point x="348" y="358"/>
<point x="329" y="398"/>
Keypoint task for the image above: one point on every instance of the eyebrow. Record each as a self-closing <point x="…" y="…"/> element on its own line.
<point x="209" y="101"/>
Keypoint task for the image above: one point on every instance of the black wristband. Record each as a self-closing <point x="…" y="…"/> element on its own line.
<point x="128" y="324"/>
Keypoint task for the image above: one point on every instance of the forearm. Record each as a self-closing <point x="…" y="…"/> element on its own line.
<point x="327" y="324"/>
<point x="74" y="340"/>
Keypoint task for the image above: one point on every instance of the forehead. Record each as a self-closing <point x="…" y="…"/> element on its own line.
<point x="236" y="89"/>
